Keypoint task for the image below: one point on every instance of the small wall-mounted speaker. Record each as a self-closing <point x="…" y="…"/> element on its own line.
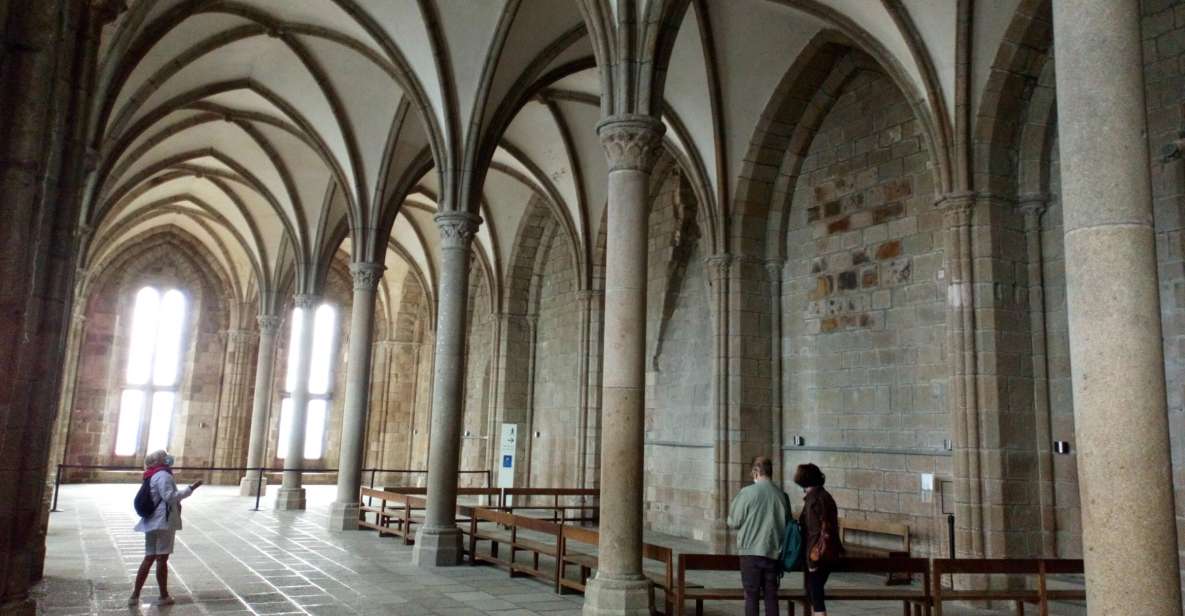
<point x="797" y="440"/>
<point x="1061" y="447"/>
<point x="538" y="434"/>
<point x="948" y="444"/>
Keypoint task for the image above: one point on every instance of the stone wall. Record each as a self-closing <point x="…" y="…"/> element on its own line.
<point x="680" y="348"/>
<point x="1164" y="74"/>
<point x="165" y="260"/>
<point x="479" y="351"/>
<point x="555" y="410"/>
<point x="864" y="314"/>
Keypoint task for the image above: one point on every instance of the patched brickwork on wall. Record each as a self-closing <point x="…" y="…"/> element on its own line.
<point x="680" y="347"/>
<point x="864" y="314"/>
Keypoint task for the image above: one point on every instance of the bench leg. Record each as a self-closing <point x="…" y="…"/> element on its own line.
<point x="1020" y="608"/>
<point x="790" y="607"/>
<point x="699" y="607"/>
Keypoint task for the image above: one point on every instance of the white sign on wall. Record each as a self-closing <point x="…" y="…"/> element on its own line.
<point x="506" y="455"/>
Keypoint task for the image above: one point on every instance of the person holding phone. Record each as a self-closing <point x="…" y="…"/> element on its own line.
<point x="161" y="527"/>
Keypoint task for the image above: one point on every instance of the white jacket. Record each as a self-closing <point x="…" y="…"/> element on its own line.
<point x="165" y="494"/>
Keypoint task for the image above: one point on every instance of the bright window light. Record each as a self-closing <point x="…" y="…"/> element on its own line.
<point x="153" y="371"/>
<point x="320" y="382"/>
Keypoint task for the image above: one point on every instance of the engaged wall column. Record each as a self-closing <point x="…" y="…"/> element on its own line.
<point x="631" y="144"/>
<point x="1129" y="534"/>
<point x="438" y="541"/>
<point x="343" y="515"/>
<point x="264" y="373"/>
<point x="291" y="494"/>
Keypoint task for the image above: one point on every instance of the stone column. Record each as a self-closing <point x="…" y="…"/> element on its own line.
<point x="632" y="143"/>
<point x="343" y="515"/>
<point x="264" y="371"/>
<point x="1117" y="361"/>
<point x="230" y="424"/>
<point x="291" y="494"/>
<point x="438" y="542"/>
<point x="962" y="394"/>
<point x="1033" y="207"/>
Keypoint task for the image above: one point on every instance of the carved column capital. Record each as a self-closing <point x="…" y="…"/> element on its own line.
<point x="773" y="269"/>
<point x="457" y="229"/>
<point x="237" y="336"/>
<point x="268" y="324"/>
<point x="958" y="208"/>
<point x="306" y="301"/>
<point x="1033" y="203"/>
<point x="718" y="266"/>
<point x="631" y="142"/>
<point x="367" y="275"/>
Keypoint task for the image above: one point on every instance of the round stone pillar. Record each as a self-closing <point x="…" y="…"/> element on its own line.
<point x="438" y="541"/>
<point x="291" y="494"/>
<point x="264" y="371"/>
<point x="1129" y="534"/>
<point x="343" y="515"/>
<point x="632" y="143"/>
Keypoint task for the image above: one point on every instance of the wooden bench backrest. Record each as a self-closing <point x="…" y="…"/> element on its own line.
<point x="581" y="535"/>
<point x="877" y="527"/>
<point x="491" y="515"/>
<point x="537" y="525"/>
<point x="1012" y="566"/>
<point x="709" y="562"/>
<point x="882" y="565"/>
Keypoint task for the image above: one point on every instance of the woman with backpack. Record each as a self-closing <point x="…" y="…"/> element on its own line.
<point x="160" y="499"/>
<point x="820" y="526"/>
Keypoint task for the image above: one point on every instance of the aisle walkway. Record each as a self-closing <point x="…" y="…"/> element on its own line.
<point x="231" y="560"/>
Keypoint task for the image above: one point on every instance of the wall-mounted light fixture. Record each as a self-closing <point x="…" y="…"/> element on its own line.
<point x="1061" y="447"/>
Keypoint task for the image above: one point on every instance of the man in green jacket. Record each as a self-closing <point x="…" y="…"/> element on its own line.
<point x="760" y="513"/>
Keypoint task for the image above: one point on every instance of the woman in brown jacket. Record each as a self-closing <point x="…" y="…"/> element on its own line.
<point x="820" y="524"/>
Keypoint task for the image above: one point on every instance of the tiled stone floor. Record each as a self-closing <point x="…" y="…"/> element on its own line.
<point x="230" y="560"/>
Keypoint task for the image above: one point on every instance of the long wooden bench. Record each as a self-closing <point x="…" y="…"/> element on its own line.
<point x="585" y="562"/>
<point x="584" y="511"/>
<point x="396" y="511"/>
<point x="1042" y="568"/>
<point x="913" y="601"/>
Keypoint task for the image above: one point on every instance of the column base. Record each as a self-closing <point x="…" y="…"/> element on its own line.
<point x="343" y="516"/>
<point x="438" y="547"/>
<point x="290" y="499"/>
<point x="247" y="486"/>
<point x="19" y="607"/>
<point x="619" y="597"/>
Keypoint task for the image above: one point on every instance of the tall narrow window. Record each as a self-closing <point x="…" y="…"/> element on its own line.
<point x="153" y="371"/>
<point x="320" y="382"/>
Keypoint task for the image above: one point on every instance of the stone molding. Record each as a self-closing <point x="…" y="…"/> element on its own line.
<point x="718" y="265"/>
<point x="268" y="324"/>
<point x="773" y="269"/>
<point x="456" y="229"/>
<point x="306" y="301"/>
<point x="367" y="275"/>
<point x="631" y="142"/>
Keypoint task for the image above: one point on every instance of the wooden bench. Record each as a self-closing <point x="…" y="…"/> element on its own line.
<point x="395" y="512"/>
<point x="586" y="561"/>
<point x="535" y="548"/>
<point x="1039" y="567"/>
<point x="872" y="527"/>
<point x="913" y="601"/>
<point x="583" y="511"/>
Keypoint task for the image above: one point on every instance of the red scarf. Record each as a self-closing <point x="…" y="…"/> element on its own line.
<point x="156" y="469"/>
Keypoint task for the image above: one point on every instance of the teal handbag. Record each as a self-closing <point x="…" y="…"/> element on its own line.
<point x="791" y="546"/>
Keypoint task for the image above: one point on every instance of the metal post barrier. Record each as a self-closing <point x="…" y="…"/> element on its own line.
<point x="57" y="487"/>
<point x="950" y="531"/>
<point x="258" y="488"/>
